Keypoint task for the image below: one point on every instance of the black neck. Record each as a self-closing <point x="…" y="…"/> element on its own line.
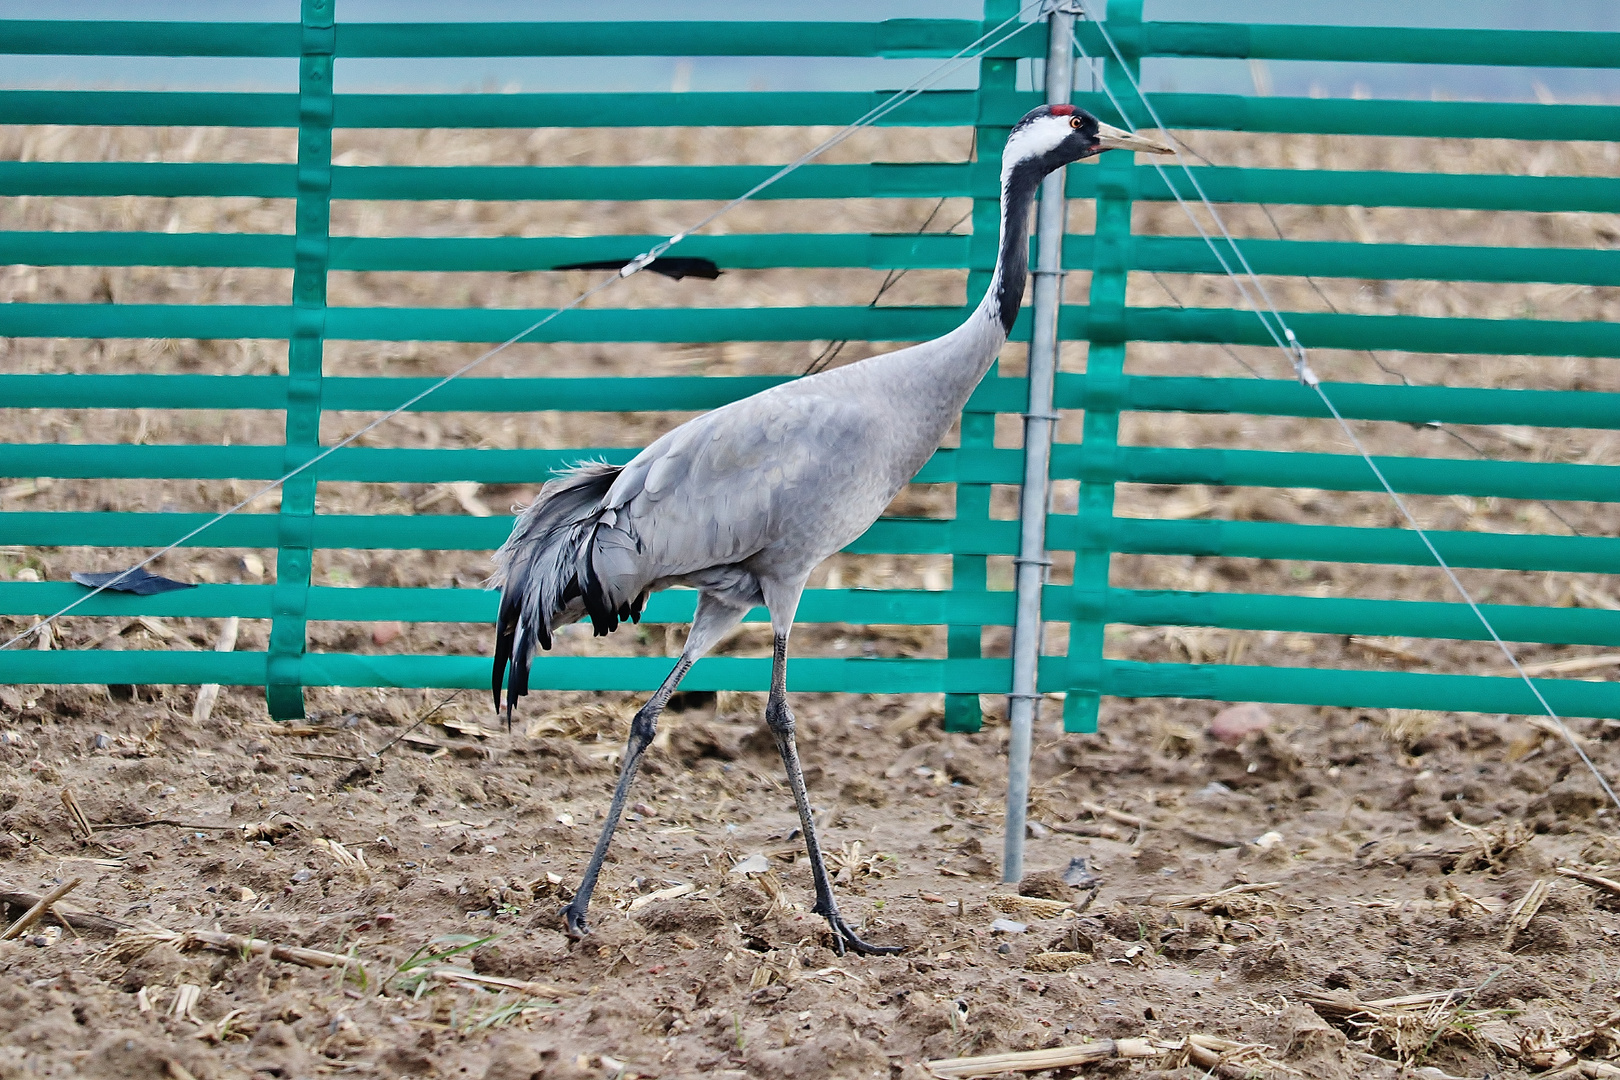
<point x="1012" y="262"/>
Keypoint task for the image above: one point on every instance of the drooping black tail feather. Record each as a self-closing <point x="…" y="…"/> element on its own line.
<point x="545" y="574"/>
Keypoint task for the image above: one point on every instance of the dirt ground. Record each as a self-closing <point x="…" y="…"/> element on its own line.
<point x="1397" y="852"/>
<point x="1401" y="844"/>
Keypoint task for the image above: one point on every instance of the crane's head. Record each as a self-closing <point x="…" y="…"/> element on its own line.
<point x="1055" y="135"/>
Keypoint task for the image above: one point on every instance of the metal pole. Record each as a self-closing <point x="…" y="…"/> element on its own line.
<point x="1023" y="702"/>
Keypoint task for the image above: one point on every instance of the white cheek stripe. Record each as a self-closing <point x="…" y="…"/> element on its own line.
<point x="1033" y="140"/>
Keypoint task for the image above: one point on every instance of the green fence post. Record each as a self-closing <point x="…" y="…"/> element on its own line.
<point x="1105" y="373"/>
<point x="997" y="82"/>
<point x="284" y="691"/>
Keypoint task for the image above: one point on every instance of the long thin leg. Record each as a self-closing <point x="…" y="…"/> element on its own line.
<point x="712" y="621"/>
<point x="780" y="719"/>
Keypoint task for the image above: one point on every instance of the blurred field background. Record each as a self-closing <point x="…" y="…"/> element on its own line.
<point x="789" y="287"/>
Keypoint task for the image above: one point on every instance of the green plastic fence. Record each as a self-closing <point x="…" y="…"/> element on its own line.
<point x="1093" y="532"/>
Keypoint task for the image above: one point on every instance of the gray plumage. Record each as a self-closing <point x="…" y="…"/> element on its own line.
<point x="743" y="500"/>
<point x="742" y="503"/>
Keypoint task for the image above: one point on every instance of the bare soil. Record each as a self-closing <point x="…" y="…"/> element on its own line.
<point x="1397" y="853"/>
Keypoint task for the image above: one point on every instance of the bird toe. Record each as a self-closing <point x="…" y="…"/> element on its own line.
<point x="573" y="922"/>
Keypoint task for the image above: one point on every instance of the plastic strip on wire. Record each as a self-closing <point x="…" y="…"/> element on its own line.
<point x="1279" y="331"/>
<point x="974" y="50"/>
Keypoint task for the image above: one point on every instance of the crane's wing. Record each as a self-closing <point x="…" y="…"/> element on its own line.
<point x="726" y="485"/>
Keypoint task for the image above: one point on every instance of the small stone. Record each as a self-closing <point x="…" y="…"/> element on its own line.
<point x="384" y="632"/>
<point x="1007" y="926"/>
<point x="1267" y="841"/>
<point x="245" y="894"/>
<point x="756" y="863"/>
<point x="102" y="741"/>
<point x="1079" y="875"/>
<point x="1235" y="722"/>
<point x="302" y="876"/>
<point x="1036" y="830"/>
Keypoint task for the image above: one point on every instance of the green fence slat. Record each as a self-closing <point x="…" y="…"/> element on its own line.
<point x="57" y="391"/>
<point x="938" y="108"/>
<point x="624" y="182"/>
<point x="1369" y="44"/>
<point x="1327" y="187"/>
<point x="1336" y="472"/>
<point x="148" y="108"/>
<point x="60" y="178"/>
<point x="96" y="37"/>
<point x="139" y="667"/>
<point x="1344" y="544"/>
<point x="1410" y="333"/>
<point x="1191" y="255"/>
<point x="805" y="674"/>
<point x="1104" y="320"/>
<point x="476" y="253"/>
<point x="37" y="528"/>
<point x="400" y="466"/>
<point x="630" y="394"/>
<point x="1327" y="116"/>
<point x="295" y="525"/>
<point x="1334" y="615"/>
<point x="205" y="321"/>
<point x="200" y="602"/>
<point x="497" y="182"/>
<point x="875" y="607"/>
<point x="891" y="38"/>
<point x="1194" y="394"/>
<point x="1461" y="191"/>
<point x="144" y="249"/>
<point x="941" y="108"/>
<point x="900" y="536"/>
<point x="479" y="325"/>
<point x="764" y="250"/>
<point x="1407" y="404"/>
<point x="1364" y="689"/>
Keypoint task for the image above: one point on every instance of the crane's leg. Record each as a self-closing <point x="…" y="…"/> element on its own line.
<point x="780" y="719"/>
<point x="712" y="621"/>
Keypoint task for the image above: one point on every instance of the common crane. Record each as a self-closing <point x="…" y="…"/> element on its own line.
<point x="743" y="502"/>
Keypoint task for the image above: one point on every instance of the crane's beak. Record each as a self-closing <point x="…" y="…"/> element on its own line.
<point x="1112" y="138"/>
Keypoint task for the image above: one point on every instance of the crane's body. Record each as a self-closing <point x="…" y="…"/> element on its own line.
<point x="760" y="490"/>
<point x="743" y="502"/>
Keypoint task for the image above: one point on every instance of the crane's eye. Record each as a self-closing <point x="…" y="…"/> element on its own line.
<point x="1074" y="122"/>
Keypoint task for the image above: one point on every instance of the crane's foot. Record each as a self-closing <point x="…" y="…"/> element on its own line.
<point x="845" y="938"/>
<point x="574" y="922"/>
